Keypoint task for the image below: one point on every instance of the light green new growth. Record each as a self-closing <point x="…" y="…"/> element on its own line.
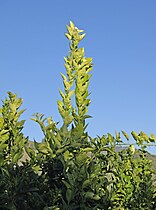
<point x="69" y="169"/>
<point x="12" y="139"/>
<point x="77" y="69"/>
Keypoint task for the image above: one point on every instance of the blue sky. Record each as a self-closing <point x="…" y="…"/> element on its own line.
<point x="121" y="39"/>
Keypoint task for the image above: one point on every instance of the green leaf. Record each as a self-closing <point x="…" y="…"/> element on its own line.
<point x="77" y="132"/>
<point x="144" y="136"/>
<point x="135" y="135"/>
<point x="132" y="149"/>
<point x="1" y="122"/>
<point x="72" y="25"/>
<point x="68" y="186"/>
<point x="82" y="36"/>
<point x="13" y="107"/>
<point x="62" y="94"/>
<point x="71" y="93"/>
<point x="68" y="36"/>
<point x="41" y="147"/>
<point x="60" y="151"/>
<point x="18" y="114"/>
<point x="17" y="156"/>
<point x="87" y="116"/>
<point x="82" y="157"/>
<point x="68" y="155"/>
<point x="18" y="102"/>
<point x="91" y="195"/>
<point x="152" y="138"/>
<point x="86" y="183"/>
<point x="69" y="195"/>
<point x="1" y="160"/>
<point x="125" y="135"/>
<point x="88" y="149"/>
<point x="30" y="152"/>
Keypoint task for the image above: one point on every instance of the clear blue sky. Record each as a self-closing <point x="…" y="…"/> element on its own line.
<point x="121" y="39"/>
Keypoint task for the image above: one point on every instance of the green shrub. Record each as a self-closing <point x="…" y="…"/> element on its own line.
<point x="69" y="169"/>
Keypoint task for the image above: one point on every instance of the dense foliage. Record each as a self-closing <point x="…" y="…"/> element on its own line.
<point x="69" y="170"/>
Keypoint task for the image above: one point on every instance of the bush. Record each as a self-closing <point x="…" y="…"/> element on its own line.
<point x="69" y="169"/>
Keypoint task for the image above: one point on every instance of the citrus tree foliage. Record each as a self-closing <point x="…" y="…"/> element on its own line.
<point x="70" y="170"/>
